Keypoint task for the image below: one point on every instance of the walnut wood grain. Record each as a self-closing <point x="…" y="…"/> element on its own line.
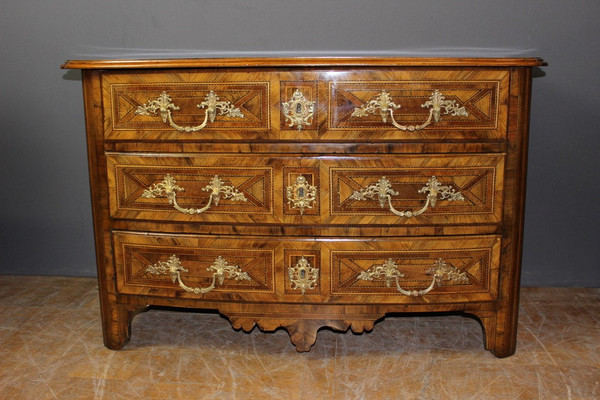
<point x="259" y="95"/>
<point x="340" y="260"/>
<point x="483" y="155"/>
<point x="263" y="180"/>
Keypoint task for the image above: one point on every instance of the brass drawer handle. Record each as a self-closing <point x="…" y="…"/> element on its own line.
<point x="436" y="101"/>
<point x="299" y="111"/>
<point x="163" y="105"/>
<point x="303" y="275"/>
<point x="220" y="267"/>
<point x="389" y="271"/>
<point x="167" y="188"/>
<point x="301" y="195"/>
<point x="383" y="190"/>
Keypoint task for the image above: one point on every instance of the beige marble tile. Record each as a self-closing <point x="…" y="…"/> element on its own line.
<point x="43" y="291"/>
<point x="554" y="295"/>
<point x="457" y="380"/>
<point x="51" y="348"/>
<point x="569" y="382"/>
<point x="593" y="318"/>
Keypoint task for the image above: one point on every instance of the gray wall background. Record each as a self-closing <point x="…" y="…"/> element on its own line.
<point x="45" y="213"/>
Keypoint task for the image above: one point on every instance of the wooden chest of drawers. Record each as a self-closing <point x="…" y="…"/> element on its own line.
<point x="304" y="193"/>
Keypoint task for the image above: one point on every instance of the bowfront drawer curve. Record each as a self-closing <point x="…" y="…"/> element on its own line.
<point x="319" y="105"/>
<point x="334" y="271"/>
<point x="401" y="190"/>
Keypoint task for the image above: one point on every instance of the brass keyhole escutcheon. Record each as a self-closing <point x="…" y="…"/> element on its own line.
<point x="298" y="111"/>
<point x="301" y="194"/>
<point x="303" y="276"/>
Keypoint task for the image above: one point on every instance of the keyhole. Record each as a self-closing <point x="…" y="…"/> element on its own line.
<point x="302" y="273"/>
<point x="298" y="108"/>
<point x="300" y="192"/>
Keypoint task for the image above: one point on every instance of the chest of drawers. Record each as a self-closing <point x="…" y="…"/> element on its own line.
<point x="309" y="193"/>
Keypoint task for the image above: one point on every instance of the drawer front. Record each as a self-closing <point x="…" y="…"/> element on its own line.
<point x="183" y="188"/>
<point x="210" y="268"/>
<point x="415" y="270"/>
<point x="402" y="104"/>
<point x="402" y="190"/>
<point x="336" y="271"/>
<point x="161" y="106"/>
<point x="297" y="105"/>
<point x="416" y="190"/>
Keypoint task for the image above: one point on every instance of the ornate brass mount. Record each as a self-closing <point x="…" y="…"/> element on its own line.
<point x="436" y="101"/>
<point x="299" y="111"/>
<point x="167" y="188"/>
<point x="303" y="276"/>
<point x="163" y="105"/>
<point x="383" y="190"/>
<point x="220" y="267"/>
<point x="301" y="194"/>
<point x="389" y="271"/>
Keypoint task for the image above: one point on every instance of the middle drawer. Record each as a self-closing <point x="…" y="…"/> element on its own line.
<point x="324" y="190"/>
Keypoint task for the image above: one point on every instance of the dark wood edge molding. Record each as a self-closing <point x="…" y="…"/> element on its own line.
<point x="304" y="62"/>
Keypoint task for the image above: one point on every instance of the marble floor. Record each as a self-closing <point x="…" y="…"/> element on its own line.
<point x="51" y="348"/>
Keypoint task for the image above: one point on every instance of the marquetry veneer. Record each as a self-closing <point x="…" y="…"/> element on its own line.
<point x="304" y="193"/>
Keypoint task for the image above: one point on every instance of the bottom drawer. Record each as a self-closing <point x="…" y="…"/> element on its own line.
<point x="308" y="270"/>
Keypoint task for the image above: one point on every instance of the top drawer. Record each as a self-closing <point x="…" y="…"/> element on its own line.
<point x="354" y="105"/>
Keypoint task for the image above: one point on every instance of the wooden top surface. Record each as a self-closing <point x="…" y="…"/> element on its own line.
<point x="303" y="62"/>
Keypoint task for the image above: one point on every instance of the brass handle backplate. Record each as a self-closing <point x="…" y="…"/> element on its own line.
<point x="386" y="106"/>
<point x="220" y="267"/>
<point x="382" y="190"/>
<point x="167" y="188"/>
<point x="164" y="105"/>
<point x="390" y="272"/>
